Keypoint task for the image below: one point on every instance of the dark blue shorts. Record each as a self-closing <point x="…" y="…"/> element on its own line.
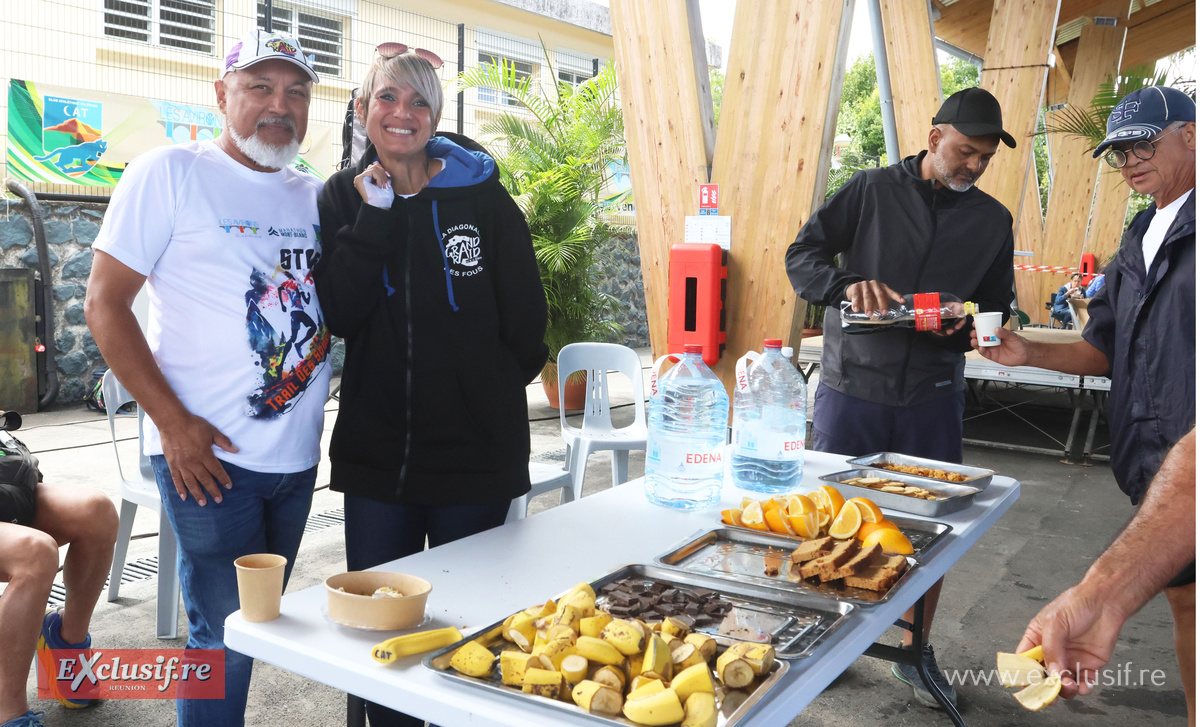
<point x="845" y="425"/>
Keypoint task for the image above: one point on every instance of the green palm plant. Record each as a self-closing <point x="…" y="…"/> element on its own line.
<point x="1091" y="123"/>
<point x="554" y="159"/>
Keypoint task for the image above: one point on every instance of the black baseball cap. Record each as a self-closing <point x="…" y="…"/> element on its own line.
<point x="1144" y="114"/>
<point x="974" y="112"/>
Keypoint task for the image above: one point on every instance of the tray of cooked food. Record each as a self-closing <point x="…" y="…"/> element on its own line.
<point x="861" y="572"/>
<point x="688" y="648"/>
<point x="906" y="493"/>
<point x="931" y="469"/>
<point x="826" y="512"/>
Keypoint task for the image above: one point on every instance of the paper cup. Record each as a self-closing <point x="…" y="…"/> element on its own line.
<point x="985" y="328"/>
<point x="260" y="585"/>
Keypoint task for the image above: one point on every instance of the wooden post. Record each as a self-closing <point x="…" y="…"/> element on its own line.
<point x="916" y="89"/>
<point x="1020" y="37"/>
<point x="1070" y="204"/>
<point x="782" y="77"/>
<point x="1028" y="236"/>
<point x="663" y="92"/>
<point x="1107" y="223"/>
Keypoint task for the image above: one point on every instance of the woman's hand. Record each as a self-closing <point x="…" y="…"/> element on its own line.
<point x="375" y="175"/>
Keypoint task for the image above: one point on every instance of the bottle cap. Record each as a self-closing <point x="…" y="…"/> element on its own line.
<point x="970" y="308"/>
<point x="693" y="348"/>
<point x="772" y="343"/>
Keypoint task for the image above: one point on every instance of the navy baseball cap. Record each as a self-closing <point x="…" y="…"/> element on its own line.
<point x="974" y="112"/>
<point x="1144" y="113"/>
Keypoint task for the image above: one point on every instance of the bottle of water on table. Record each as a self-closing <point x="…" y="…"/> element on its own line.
<point x="769" y="422"/>
<point x="689" y="411"/>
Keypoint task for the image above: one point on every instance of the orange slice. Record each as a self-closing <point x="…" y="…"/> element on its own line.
<point x="870" y="511"/>
<point x="807" y="525"/>
<point x="776" y="520"/>
<point x="752" y="517"/>
<point x="800" y="505"/>
<point x="892" y="541"/>
<point x="746" y="501"/>
<point x="1036" y="696"/>
<point x="868" y="528"/>
<point x="828" y="499"/>
<point x="732" y="516"/>
<point x="847" y="523"/>
<point x="771" y="504"/>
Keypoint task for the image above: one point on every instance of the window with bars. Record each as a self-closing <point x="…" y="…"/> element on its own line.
<point x="524" y="70"/>
<point x="187" y="24"/>
<point x="321" y="36"/>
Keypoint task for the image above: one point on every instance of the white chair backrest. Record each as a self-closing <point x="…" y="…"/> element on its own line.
<point x="115" y="397"/>
<point x="597" y="359"/>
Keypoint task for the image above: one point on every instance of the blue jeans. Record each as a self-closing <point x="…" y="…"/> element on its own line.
<point x="262" y="513"/>
<point x="843" y="424"/>
<point x="378" y="532"/>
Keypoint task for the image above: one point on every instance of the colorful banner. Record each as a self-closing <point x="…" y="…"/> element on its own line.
<point x="59" y="135"/>
<point x="84" y="674"/>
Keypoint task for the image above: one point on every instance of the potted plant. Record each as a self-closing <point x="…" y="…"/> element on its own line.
<point x="554" y="156"/>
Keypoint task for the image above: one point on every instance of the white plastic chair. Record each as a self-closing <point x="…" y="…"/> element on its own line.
<point x="543" y="478"/>
<point x="142" y="490"/>
<point x="597" y="433"/>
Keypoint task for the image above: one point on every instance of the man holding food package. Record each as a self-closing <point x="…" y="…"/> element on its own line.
<point x="919" y="226"/>
<point x="1142" y="329"/>
<point x="232" y="372"/>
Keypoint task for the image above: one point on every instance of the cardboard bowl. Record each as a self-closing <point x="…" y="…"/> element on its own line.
<point x="350" y="607"/>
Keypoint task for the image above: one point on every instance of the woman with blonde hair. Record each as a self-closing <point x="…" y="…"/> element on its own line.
<point x="429" y="275"/>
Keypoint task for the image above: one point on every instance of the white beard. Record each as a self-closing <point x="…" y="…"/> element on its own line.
<point x="264" y="154"/>
<point x="947" y="175"/>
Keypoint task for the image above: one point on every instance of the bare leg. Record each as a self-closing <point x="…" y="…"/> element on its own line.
<point x="28" y="562"/>
<point x="87" y="521"/>
<point x="1182" y="600"/>
<point x="931" y="602"/>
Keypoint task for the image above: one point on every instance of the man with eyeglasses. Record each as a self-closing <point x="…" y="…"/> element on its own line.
<point x="1143" y="326"/>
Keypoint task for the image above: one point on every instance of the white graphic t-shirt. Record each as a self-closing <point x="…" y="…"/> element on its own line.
<point x="234" y="321"/>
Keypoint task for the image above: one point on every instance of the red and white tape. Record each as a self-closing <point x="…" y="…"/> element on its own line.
<point x="1047" y="268"/>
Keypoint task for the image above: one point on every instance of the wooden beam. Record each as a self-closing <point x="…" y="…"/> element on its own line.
<point x="912" y="65"/>
<point x="782" y="73"/>
<point x="1014" y="71"/>
<point x="1071" y="195"/>
<point x="1028" y="236"/>
<point x="965" y="24"/>
<point x="1160" y="35"/>
<point x="661" y="97"/>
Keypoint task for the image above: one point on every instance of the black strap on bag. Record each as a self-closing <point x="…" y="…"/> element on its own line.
<point x="19" y="476"/>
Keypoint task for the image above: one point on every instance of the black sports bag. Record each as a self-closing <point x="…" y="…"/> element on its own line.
<point x="19" y="475"/>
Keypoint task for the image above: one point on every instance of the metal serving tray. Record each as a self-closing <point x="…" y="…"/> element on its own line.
<point x="977" y="477"/>
<point x="954" y="496"/>
<point x="923" y="534"/>
<point x="744" y="555"/>
<point x="798" y="621"/>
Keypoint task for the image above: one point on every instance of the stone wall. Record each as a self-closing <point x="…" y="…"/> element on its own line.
<point x="621" y="264"/>
<point x="72" y="227"/>
<point x="70" y="230"/>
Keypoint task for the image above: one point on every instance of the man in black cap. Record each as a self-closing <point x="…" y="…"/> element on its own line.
<point x="1142" y="328"/>
<point x="919" y="226"/>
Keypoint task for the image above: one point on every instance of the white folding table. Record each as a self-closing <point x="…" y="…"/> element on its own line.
<point x="480" y="580"/>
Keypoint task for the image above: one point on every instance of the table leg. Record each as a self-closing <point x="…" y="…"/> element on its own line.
<point x="1078" y="410"/>
<point x="912" y="655"/>
<point x="1097" y="403"/>
<point x="356" y="711"/>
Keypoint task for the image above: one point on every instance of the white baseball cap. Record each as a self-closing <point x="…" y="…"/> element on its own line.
<point x="259" y="45"/>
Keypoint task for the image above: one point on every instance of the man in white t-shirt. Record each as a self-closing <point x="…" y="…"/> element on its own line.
<point x="232" y="371"/>
<point x="1142" y="327"/>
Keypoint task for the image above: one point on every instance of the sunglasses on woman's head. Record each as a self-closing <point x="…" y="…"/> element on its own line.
<point x="390" y="50"/>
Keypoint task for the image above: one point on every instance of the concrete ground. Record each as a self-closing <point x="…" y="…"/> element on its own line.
<point x="1066" y="516"/>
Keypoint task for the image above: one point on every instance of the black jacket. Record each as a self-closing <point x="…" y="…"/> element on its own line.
<point x="1146" y="326"/>
<point x="441" y="305"/>
<point x="890" y="225"/>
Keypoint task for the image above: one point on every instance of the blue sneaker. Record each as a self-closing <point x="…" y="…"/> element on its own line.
<point x="51" y="638"/>
<point x="29" y="719"/>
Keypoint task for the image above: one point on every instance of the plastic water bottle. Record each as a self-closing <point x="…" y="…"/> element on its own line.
<point x="769" y="422"/>
<point x="923" y="311"/>
<point x="689" y="410"/>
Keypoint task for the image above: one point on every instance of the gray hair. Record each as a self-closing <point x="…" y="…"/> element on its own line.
<point x="406" y="68"/>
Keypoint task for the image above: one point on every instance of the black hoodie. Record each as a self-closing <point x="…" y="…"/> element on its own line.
<point x="441" y="306"/>
<point x="893" y="226"/>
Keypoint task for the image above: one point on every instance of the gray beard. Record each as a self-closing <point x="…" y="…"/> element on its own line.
<point x="947" y="174"/>
<point x="262" y="153"/>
